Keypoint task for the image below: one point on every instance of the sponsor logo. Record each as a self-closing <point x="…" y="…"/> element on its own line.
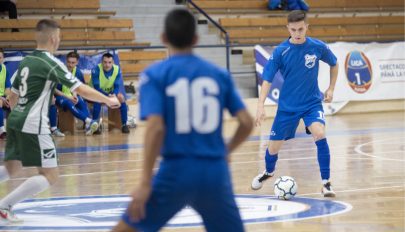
<point x="103" y="212"/>
<point x="310" y="60"/>
<point x="49" y="153"/>
<point x="358" y="71"/>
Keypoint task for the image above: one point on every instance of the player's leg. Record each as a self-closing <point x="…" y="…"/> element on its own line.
<point x="123" y="227"/>
<point x="81" y="111"/>
<point x="283" y="128"/>
<point x="169" y="196"/>
<point x="53" y="118"/>
<point x="42" y="154"/>
<point x="124" y="113"/>
<point x="315" y="122"/>
<point x="12" y="164"/>
<point x="214" y="197"/>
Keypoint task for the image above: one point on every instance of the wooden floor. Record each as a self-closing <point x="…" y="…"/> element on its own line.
<point x="367" y="171"/>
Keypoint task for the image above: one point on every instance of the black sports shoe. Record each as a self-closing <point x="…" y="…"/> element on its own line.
<point x="125" y="129"/>
<point x="327" y="190"/>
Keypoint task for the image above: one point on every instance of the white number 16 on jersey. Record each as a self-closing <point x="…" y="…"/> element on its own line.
<point x="197" y="98"/>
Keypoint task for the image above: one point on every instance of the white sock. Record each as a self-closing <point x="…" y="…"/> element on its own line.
<point x="53" y="128"/>
<point x="325" y="181"/>
<point x="31" y="187"/>
<point x="2" y="129"/>
<point x="88" y="121"/>
<point x="4" y="174"/>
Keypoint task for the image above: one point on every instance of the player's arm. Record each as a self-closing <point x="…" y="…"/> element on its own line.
<point x="117" y="83"/>
<point x="93" y="95"/>
<point x="64" y="77"/>
<point x="269" y="72"/>
<point x="242" y="132"/>
<point x="13" y="99"/>
<point x="334" y="70"/>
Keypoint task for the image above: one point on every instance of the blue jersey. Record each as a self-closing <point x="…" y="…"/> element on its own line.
<point x="299" y="65"/>
<point x="190" y="95"/>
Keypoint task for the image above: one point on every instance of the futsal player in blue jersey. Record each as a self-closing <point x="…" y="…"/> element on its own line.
<point x="182" y="100"/>
<point x="105" y="78"/>
<point x="297" y="58"/>
<point x="73" y="102"/>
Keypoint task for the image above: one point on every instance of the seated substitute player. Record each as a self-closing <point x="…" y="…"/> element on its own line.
<point x="5" y="86"/>
<point x="71" y="101"/>
<point x="182" y="100"/>
<point x="106" y="78"/>
<point x="298" y="58"/>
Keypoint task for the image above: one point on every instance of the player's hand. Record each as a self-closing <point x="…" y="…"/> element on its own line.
<point x="113" y="102"/>
<point x="74" y="99"/>
<point x="4" y="102"/>
<point x="328" y="96"/>
<point x="136" y="208"/>
<point x="260" y="115"/>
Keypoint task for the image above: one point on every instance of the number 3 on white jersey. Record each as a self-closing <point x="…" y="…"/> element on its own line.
<point x="200" y="97"/>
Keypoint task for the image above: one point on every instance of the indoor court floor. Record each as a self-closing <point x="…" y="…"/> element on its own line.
<point x="367" y="172"/>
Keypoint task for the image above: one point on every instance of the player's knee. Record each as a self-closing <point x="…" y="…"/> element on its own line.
<point x="318" y="135"/>
<point x="52" y="175"/>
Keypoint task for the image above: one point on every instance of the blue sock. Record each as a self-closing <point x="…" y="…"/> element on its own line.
<point x="124" y="113"/>
<point x="323" y="158"/>
<point x="96" y="110"/>
<point x="270" y="161"/>
<point x="52" y="115"/>
<point x="1" y="117"/>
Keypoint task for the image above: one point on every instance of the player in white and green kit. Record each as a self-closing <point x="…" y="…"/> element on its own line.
<point x="29" y="140"/>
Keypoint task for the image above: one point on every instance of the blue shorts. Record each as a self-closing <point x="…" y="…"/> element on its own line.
<point x="285" y="123"/>
<point x="201" y="183"/>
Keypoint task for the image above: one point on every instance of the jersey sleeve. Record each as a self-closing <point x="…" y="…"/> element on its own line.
<point x="80" y="76"/>
<point x="150" y="96"/>
<point x="327" y="55"/>
<point x="272" y="66"/>
<point x="63" y="76"/>
<point x="233" y="101"/>
<point x="8" y="78"/>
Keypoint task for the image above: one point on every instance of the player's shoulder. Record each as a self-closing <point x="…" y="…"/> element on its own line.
<point x="281" y="48"/>
<point x="317" y="42"/>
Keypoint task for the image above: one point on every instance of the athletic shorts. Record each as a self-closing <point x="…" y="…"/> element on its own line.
<point x="285" y="123"/>
<point x="31" y="149"/>
<point x="203" y="184"/>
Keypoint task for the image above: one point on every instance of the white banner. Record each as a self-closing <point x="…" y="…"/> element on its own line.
<point x="372" y="71"/>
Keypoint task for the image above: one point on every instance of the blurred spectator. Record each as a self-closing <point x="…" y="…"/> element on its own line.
<point x="288" y="5"/>
<point x="11" y="8"/>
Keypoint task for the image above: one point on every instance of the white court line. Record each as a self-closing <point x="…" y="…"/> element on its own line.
<point x="358" y="150"/>
<point x="355" y="190"/>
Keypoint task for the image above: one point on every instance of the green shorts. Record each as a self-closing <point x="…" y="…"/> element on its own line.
<point x="31" y="149"/>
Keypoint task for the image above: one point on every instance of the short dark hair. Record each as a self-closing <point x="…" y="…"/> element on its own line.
<point x="297" y="16"/>
<point x="46" y="24"/>
<point x="180" y="28"/>
<point x="2" y="51"/>
<point x="73" y="55"/>
<point x="107" y="54"/>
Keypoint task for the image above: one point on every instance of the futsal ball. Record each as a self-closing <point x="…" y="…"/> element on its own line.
<point x="285" y="187"/>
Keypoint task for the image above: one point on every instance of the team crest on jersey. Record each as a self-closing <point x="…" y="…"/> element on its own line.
<point x="310" y="60"/>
